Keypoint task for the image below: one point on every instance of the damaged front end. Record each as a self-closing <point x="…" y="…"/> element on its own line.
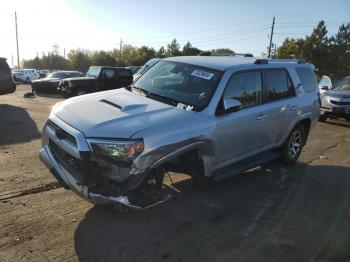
<point x="100" y="171"/>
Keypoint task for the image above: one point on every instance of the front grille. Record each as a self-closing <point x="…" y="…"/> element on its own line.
<point x="73" y="165"/>
<point x="338" y="103"/>
<point x="61" y="133"/>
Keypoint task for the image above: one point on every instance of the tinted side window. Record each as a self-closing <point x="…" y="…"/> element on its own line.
<point x="278" y="84"/>
<point x="245" y="87"/>
<point x="108" y="73"/>
<point x="307" y="78"/>
<point x="124" y="73"/>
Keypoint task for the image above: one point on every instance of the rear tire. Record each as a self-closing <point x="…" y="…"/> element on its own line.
<point x="292" y="147"/>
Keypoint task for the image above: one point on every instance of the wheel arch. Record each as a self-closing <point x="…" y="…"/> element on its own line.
<point x="202" y="149"/>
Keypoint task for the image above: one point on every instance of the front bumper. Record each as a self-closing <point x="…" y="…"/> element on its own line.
<point x="335" y="111"/>
<point x="59" y="154"/>
<point x="69" y="182"/>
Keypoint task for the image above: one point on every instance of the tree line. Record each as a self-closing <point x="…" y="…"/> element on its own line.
<point x="330" y="54"/>
<point x="81" y="59"/>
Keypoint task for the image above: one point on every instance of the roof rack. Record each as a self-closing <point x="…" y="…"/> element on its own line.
<point x="209" y="53"/>
<point x="268" y="61"/>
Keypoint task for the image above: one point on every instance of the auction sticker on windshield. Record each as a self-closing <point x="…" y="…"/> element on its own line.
<point x="202" y="74"/>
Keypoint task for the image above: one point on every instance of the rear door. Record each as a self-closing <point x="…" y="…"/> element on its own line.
<point x="6" y="84"/>
<point x="280" y="104"/>
<point x="108" y="79"/>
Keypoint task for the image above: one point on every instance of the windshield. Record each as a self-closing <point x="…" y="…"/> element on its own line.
<point x="94" y="71"/>
<point x="143" y="69"/>
<point x="190" y="85"/>
<point x="343" y="85"/>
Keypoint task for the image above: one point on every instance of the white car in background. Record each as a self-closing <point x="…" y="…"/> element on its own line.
<point x="25" y="75"/>
<point x="325" y="84"/>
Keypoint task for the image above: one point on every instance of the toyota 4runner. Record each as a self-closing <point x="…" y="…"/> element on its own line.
<point x="209" y="117"/>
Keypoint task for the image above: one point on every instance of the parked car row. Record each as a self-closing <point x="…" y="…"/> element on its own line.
<point x="25" y="75"/>
<point x="50" y="83"/>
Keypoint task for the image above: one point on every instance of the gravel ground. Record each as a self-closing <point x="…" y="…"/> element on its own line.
<point x="271" y="213"/>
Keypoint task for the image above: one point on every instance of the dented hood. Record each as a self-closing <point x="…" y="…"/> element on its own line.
<point x="116" y="114"/>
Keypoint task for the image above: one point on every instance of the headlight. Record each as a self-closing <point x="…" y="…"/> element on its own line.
<point x="119" y="151"/>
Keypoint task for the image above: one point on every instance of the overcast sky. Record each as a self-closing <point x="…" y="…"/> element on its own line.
<point x="243" y="26"/>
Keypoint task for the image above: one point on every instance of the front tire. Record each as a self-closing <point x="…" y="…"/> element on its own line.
<point x="292" y="147"/>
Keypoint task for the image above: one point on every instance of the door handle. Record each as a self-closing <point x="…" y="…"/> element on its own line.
<point x="293" y="107"/>
<point x="262" y="117"/>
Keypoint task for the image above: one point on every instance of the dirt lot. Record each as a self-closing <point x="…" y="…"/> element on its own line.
<point x="272" y="213"/>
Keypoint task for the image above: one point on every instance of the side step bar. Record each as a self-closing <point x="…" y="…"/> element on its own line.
<point x="241" y="166"/>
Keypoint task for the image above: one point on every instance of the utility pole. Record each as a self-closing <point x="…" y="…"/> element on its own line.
<point x="12" y="60"/>
<point x="270" y="45"/>
<point x="120" y="49"/>
<point x="64" y="57"/>
<point x="17" y="40"/>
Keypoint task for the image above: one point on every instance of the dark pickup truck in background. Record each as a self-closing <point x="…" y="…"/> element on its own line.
<point x="7" y="85"/>
<point x="98" y="78"/>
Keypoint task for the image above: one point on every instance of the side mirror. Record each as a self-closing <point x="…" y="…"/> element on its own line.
<point x="232" y="105"/>
<point x="325" y="88"/>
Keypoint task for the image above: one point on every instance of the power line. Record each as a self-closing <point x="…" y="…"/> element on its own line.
<point x="216" y="36"/>
<point x="208" y="29"/>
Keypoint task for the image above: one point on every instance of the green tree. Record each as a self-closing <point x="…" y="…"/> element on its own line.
<point x="223" y="51"/>
<point x="173" y="49"/>
<point x="188" y="49"/>
<point x="161" y="52"/>
<point x="340" y="53"/>
<point x="291" y="48"/>
<point x="103" y="58"/>
<point x="79" y="60"/>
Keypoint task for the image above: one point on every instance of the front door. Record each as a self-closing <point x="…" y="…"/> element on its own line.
<point x="241" y="134"/>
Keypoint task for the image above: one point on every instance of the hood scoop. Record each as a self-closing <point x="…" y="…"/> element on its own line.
<point x="110" y="103"/>
<point x="126" y="108"/>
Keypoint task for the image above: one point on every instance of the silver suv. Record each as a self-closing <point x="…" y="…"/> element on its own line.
<point x="209" y="117"/>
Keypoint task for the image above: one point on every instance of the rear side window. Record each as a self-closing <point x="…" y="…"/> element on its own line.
<point x="124" y="73"/>
<point x="108" y="73"/>
<point x="307" y="78"/>
<point x="245" y="87"/>
<point x="278" y="84"/>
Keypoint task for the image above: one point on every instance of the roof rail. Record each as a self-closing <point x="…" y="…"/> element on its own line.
<point x="267" y="61"/>
<point x="209" y="53"/>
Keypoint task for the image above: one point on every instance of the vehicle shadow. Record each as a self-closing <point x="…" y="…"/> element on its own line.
<point x="50" y="95"/>
<point x="236" y="218"/>
<point x="16" y="126"/>
<point x="338" y="122"/>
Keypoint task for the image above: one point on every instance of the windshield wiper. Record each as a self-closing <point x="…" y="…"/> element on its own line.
<point x="144" y="92"/>
<point x="169" y="100"/>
